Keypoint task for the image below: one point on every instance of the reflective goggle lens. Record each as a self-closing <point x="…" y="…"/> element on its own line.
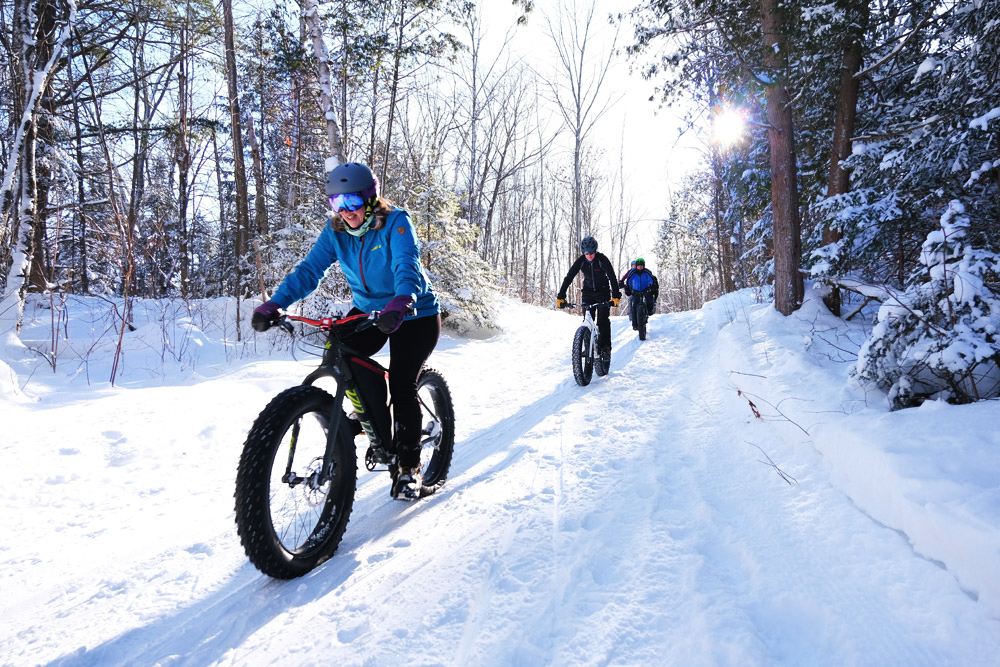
<point x="351" y="201"/>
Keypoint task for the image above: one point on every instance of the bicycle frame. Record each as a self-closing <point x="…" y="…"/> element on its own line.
<point x="333" y="364"/>
<point x="588" y="320"/>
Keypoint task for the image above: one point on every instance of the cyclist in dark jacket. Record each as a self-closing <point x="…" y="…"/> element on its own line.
<point x="638" y="282"/>
<point x="624" y="278"/>
<point x="599" y="284"/>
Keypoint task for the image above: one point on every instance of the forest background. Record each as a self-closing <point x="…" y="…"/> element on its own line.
<point x="160" y="150"/>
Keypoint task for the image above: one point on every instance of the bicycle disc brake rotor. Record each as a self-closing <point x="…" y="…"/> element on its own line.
<point x="313" y="492"/>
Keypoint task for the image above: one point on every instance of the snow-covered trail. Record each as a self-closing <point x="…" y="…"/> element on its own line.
<point x="627" y="522"/>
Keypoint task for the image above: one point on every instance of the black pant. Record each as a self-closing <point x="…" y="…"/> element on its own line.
<point x="409" y="348"/>
<point x="646" y="297"/>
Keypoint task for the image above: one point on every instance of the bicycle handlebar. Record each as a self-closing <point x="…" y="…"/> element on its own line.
<point x="325" y="323"/>
<point x="588" y="305"/>
<point x="331" y="323"/>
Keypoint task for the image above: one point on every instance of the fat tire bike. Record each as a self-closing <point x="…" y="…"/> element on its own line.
<point x="586" y="345"/>
<point x="640" y="312"/>
<point x="298" y="471"/>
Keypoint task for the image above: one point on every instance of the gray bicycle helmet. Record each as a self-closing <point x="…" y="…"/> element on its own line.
<point x="352" y="177"/>
<point x="588" y="244"/>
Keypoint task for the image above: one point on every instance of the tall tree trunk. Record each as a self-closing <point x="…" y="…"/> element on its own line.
<point x="843" y="127"/>
<point x="44" y="146"/>
<point x="260" y="226"/>
<point x="344" y="130"/>
<point x="393" y="90"/>
<point x="223" y="223"/>
<point x="80" y="256"/>
<point x="310" y="10"/>
<point x="789" y="289"/>
<point x="373" y="139"/>
<point x="140" y="139"/>
<point x="40" y="48"/>
<point x="183" y="160"/>
<point x="242" y="222"/>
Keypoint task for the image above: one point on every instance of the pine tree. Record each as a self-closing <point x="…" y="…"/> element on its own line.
<point x="941" y="337"/>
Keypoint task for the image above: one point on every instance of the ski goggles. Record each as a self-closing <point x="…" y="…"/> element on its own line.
<point x="351" y="201"/>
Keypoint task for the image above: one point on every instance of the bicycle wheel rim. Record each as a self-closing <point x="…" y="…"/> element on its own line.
<point x="302" y="514"/>
<point x="438" y="418"/>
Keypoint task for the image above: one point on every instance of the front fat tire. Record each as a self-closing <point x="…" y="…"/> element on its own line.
<point x="641" y="317"/>
<point x="583" y="363"/>
<point x="326" y="511"/>
<point x="435" y="398"/>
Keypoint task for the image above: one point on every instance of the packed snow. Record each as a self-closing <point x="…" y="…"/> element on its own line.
<point x="724" y="496"/>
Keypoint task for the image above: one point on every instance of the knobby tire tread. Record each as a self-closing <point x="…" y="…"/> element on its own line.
<point x="583" y="366"/>
<point x="253" y="514"/>
<point x="436" y="471"/>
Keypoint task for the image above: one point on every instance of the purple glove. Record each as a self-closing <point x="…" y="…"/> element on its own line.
<point x="264" y="316"/>
<point x="392" y="315"/>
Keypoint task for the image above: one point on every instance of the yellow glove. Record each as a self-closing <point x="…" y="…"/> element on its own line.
<point x="615" y="300"/>
<point x="560" y="303"/>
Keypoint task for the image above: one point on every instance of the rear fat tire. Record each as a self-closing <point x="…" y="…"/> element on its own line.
<point x="436" y="404"/>
<point x="583" y="363"/>
<point x="602" y="364"/>
<point x="262" y="500"/>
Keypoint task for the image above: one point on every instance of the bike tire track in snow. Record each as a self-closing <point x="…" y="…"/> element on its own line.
<point x="627" y="522"/>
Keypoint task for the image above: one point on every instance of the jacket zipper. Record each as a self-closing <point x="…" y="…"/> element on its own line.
<point x="361" y="268"/>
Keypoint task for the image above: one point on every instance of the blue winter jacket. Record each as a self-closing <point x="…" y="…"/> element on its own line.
<point x="378" y="265"/>
<point x="640" y="280"/>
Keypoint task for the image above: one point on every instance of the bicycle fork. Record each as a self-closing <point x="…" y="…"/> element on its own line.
<point x="594" y="334"/>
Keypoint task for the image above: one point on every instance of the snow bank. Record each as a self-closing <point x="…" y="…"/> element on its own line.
<point x="932" y="473"/>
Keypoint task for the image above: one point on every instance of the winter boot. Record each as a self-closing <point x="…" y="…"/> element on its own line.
<point x="406" y="479"/>
<point x="406" y="483"/>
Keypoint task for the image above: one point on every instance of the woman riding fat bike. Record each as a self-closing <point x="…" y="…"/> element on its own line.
<point x="378" y="252"/>
<point x="298" y="471"/>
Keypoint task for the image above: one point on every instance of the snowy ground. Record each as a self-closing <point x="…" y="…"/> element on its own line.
<point x="650" y="518"/>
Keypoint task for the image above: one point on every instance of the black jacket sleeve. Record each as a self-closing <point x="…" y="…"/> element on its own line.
<point x="573" y="270"/>
<point x="610" y="270"/>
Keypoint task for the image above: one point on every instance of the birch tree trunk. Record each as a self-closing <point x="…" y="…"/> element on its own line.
<point x="40" y="50"/>
<point x="310" y="13"/>
<point x="788" y="284"/>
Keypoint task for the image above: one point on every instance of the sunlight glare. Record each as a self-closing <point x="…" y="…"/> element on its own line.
<point x="728" y="127"/>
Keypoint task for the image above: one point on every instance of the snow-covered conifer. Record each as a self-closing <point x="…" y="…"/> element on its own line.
<point x="939" y="338"/>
